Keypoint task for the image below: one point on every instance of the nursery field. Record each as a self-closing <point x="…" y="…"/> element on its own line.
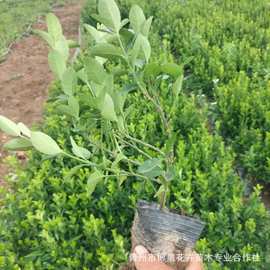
<point x="25" y="75"/>
<point x="167" y="102"/>
<point x="16" y="16"/>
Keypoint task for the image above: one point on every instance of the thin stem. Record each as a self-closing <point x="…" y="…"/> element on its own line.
<point x="102" y="148"/>
<point x="135" y="147"/>
<point x="156" y="104"/>
<point x="138" y="149"/>
<point x="113" y="155"/>
<point x="162" y="116"/>
<point x="79" y="159"/>
<point x="130" y="165"/>
<point x="145" y="144"/>
<point x="124" y="51"/>
<point x="163" y="199"/>
<point x="90" y="88"/>
<point x="126" y="173"/>
<point x="116" y="143"/>
<point x="25" y="136"/>
<point x="143" y="89"/>
<point x="138" y="175"/>
<point x="132" y="161"/>
<point x="102" y="135"/>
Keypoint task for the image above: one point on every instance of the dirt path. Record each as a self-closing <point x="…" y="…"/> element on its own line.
<point x="25" y="76"/>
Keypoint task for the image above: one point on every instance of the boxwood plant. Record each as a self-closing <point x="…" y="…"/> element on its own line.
<point x="223" y="41"/>
<point x="120" y="129"/>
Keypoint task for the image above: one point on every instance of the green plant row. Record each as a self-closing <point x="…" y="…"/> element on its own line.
<point x="73" y="206"/>
<point x="15" y="16"/>
<point x="226" y="44"/>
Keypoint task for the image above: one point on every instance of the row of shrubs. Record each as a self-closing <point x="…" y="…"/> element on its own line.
<point x="226" y="45"/>
<point x="49" y="221"/>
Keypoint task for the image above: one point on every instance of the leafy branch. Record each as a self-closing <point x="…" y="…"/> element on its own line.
<point x="109" y="43"/>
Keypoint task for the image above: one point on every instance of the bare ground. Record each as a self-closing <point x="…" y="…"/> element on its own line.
<point x="25" y="75"/>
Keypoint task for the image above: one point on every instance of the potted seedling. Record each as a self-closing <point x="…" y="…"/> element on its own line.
<point x="123" y="44"/>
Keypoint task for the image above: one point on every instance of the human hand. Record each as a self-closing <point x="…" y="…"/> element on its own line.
<point x="195" y="262"/>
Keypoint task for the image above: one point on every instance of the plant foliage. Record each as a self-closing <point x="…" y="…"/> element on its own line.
<point x="133" y="133"/>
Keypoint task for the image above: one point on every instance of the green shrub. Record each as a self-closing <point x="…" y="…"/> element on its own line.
<point x="52" y="221"/>
<point x="243" y="111"/>
<point x="222" y="40"/>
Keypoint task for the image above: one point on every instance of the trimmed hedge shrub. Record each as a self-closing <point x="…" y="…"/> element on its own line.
<point x="221" y="40"/>
<point x="50" y="222"/>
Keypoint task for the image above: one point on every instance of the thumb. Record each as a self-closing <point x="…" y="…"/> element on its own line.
<point x="145" y="261"/>
<point x="195" y="262"/>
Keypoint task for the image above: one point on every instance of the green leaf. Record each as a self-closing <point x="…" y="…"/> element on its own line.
<point x="79" y="151"/>
<point x="100" y="92"/>
<point x="54" y="27"/>
<point x="187" y="61"/>
<point x="61" y="45"/>
<point x="92" y="182"/>
<point x="24" y="130"/>
<point x="44" y="143"/>
<point x="135" y="50"/>
<point x="95" y="71"/>
<point x="44" y="35"/>
<point x="107" y="110"/>
<point x="122" y="179"/>
<point x="18" y="144"/>
<point x="146" y="47"/>
<point x="64" y="109"/>
<point x="170" y="173"/>
<point x="172" y="69"/>
<point x="124" y="23"/>
<point x="74" y="106"/>
<point x="96" y="35"/>
<point x="73" y="44"/>
<point x="126" y="36"/>
<point x="73" y="171"/>
<point x="137" y="18"/>
<point x="57" y="63"/>
<point x="9" y="126"/>
<point x="177" y="86"/>
<point x="119" y="99"/>
<point x="106" y="50"/>
<point x="69" y="81"/>
<point x="152" y="69"/>
<point x="120" y="156"/>
<point x="141" y="45"/>
<point x="146" y="27"/>
<point x="108" y="84"/>
<point x="82" y="75"/>
<point x="151" y="168"/>
<point x="101" y="20"/>
<point x="110" y="14"/>
<point x="155" y="69"/>
<point x="121" y="123"/>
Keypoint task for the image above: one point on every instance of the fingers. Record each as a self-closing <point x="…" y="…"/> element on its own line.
<point x="145" y="261"/>
<point x="195" y="262"/>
